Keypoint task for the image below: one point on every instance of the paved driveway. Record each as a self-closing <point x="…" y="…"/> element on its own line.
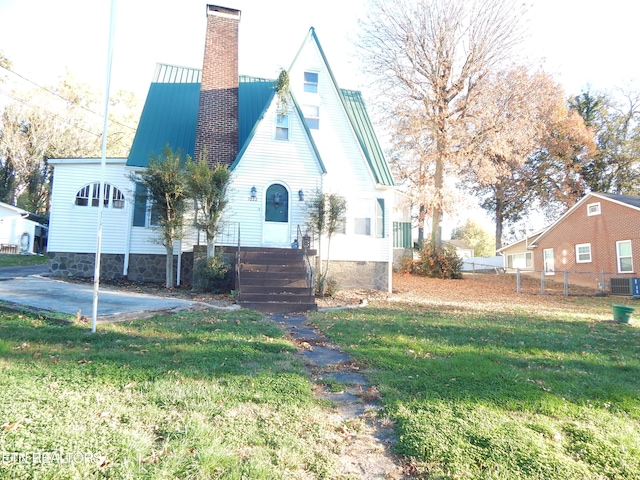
<point x="55" y="295"/>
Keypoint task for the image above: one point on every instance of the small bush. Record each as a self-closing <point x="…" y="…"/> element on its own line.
<point x="438" y="262"/>
<point x="326" y="287"/>
<point x="210" y="275"/>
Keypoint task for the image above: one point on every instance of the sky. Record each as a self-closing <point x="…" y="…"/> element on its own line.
<point x="582" y="43"/>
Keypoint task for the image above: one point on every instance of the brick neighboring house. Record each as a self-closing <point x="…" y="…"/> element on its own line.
<point x="601" y="233"/>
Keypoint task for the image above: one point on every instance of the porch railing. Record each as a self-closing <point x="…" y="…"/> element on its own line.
<point x="304" y="241"/>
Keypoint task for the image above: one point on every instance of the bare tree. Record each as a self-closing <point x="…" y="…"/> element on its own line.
<point x="429" y="58"/>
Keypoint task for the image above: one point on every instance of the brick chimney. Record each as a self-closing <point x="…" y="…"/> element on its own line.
<point x="217" y="128"/>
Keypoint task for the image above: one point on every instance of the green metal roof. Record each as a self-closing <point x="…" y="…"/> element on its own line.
<point x="357" y="112"/>
<point x="170" y="114"/>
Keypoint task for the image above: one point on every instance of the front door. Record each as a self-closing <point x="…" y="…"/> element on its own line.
<point x="276" y="217"/>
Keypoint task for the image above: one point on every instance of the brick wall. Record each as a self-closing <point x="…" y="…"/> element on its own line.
<point x="217" y="127"/>
<point x="615" y="223"/>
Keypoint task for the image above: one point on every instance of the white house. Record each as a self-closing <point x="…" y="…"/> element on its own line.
<point x="20" y="231"/>
<point x="323" y="141"/>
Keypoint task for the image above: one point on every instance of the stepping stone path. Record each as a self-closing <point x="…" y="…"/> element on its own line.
<point x="368" y="439"/>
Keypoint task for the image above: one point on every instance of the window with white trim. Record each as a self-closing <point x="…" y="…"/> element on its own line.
<point x="282" y="127"/>
<point x="312" y="116"/>
<point x="624" y="256"/>
<point x="112" y="197"/>
<point x="520" y="260"/>
<point x="593" y="209"/>
<point x="361" y="212"/>
<point x="311" y="82"/>
<point x="583" y="253"/>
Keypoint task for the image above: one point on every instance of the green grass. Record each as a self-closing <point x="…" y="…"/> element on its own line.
<point x="507" y="392"/>
<point x="9" y="260"/>
<point x="190" y="396"/>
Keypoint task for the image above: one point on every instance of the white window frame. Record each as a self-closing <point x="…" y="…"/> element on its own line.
<point x="309" y="85"/>
<point x="578" y="254"/>
<point x="528" y="260"/>
<point x="312" y="116"/>
<point x="362" y="217"/>
<point x="280" y="127"/>
<point x="593" y="209"/>
<point x="620" y="257"/>
<point x="89" y="196"/>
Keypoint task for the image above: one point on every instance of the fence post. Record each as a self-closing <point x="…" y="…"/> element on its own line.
<point x="517" y="280"/>
<point x="604" y="283"/>
<point x="566" y="283"/>
<point x="542" y="282"/>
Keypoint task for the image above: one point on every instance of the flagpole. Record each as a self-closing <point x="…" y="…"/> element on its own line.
<point x="103" y="169"/>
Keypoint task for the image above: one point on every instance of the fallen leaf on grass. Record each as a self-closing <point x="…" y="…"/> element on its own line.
<point x="22" y="346"/>
<point x="103" y="461"/>
<point x="53" y="386"/>
<point x="130" y="385"/>
<point x="84" y="360"/>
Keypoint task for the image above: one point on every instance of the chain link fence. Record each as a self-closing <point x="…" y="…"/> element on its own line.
<point x="575" y="283"/>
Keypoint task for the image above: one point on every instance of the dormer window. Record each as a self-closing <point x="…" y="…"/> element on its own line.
<point x="311" y="82"/>
<point x="593" y="209"/>
<point x="90" y="195"/>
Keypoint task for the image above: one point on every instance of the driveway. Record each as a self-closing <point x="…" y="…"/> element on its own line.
<point x="20" y="285"/>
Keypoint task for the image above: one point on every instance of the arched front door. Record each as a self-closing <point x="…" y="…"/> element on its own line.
<point x="276" y="230"/>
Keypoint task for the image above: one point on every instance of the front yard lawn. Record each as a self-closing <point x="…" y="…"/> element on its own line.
<point x="497" y="386"/>
<point x="189" y="396"/>
<point x="16" y="260"/>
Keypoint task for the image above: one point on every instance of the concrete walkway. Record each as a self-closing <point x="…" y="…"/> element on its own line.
<point x="19" y="286"/>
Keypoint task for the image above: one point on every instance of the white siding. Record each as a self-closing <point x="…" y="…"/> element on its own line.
<point x="74" y="228"/>
<point x="348" y="173"/>
<point x="13" y="226"/>
<point x="291" y="163"/>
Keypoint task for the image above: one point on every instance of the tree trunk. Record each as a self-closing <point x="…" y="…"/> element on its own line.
<point x="169" y="265"/>
<point x="436" y="218"/>
<point x="499" y="217"/>
<point x="421" y="215"/>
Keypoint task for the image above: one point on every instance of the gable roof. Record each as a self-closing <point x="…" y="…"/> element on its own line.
<point x="170" y="114"/>
<point x="353" y="104"/>
<point x="630" y="201"/>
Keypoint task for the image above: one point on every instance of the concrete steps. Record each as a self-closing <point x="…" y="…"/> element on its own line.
<point x="274" y="280"/>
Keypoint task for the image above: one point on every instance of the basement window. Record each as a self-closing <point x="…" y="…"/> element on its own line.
<point x="520" y="260"/>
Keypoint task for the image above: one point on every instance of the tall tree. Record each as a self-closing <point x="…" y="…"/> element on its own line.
<point x="429" y="58"/>
<point x="477" y="237"/>
<point x="208" y="188"/>
<point x="54" y="122"/>
<point x="521" y="117"/>
<point x="614" y="168"/>
<point x="166" y="186"/>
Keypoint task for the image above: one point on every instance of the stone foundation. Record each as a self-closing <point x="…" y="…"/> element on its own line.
<point x="364" y="275"/>
<point x="142" y="268"/>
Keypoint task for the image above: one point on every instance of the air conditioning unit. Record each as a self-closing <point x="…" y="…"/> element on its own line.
<point x="621" y="286"/>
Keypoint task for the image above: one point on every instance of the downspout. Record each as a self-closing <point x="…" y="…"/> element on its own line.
<point x="127" y="245"/>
